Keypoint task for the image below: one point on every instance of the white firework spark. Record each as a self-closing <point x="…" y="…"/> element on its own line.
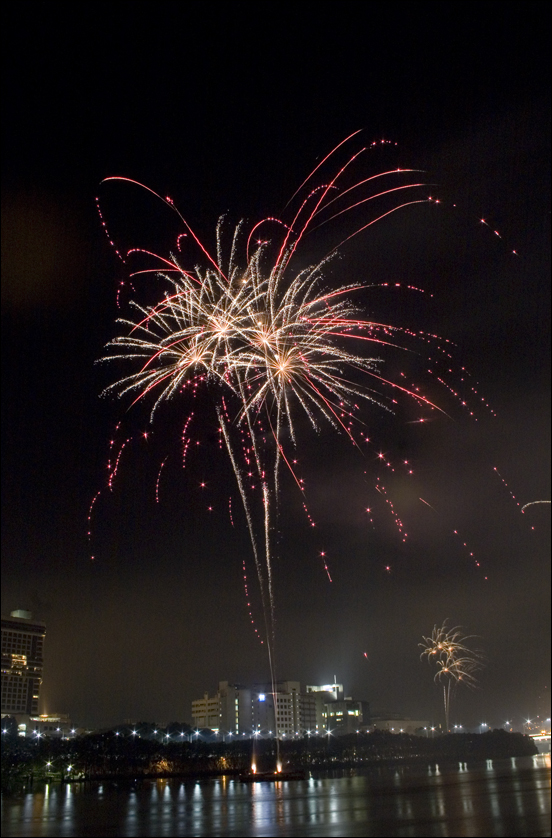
<point x="267" y="340"/>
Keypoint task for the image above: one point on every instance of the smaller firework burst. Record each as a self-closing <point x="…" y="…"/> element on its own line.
<point x="455" y="661"/>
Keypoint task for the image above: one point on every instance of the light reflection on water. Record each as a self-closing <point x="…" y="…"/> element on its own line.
<point x="506" y="797"/>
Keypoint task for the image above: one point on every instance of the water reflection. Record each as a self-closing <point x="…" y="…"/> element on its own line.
<point x="509" y="797"/>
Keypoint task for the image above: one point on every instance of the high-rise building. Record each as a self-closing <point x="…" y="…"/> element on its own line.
<point x="206" y="712"/>
<point x="280" y="709"/>
<point x="283" y="706"/>
<point x="235" y="708"/>
<point x="316" y="702"/>
<point x="227" y="712"/>
<point x="22" y="663"/>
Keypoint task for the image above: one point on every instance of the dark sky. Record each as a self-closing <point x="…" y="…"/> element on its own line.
<point x="227" y="108"/>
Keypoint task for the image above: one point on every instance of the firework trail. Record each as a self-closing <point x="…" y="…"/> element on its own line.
<point x="161" y="467"/>
<point x="268" y="341"/>
<point x="514" y="498"/>
<point x="476" y="562"/>
<point x="398" y="522"/>
<point x="505" y="484"/>
<point x="326" y="568"/>
<point x="455" y="661"/>
<point x="427" y="504"/>
<point x="533" y="502"/>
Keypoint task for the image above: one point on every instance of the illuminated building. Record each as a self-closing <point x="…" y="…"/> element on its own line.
<point x="346" y="716"/>
<point x="315" y="703"/>
<point x="235" y="708"/>
<point x="288" y="708"/>
<point x="227" y="712"/>
<point x="206" y="712"/>
<point x="54" y="725"/>
<point x="239" y="710"/>
<point x="335" y="690"/>
<point x="22" y="663"/>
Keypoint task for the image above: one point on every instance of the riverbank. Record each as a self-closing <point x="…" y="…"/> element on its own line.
<point x="108" y="757"/>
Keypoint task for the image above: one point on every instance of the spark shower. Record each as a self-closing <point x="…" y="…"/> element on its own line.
<point x="266" y="337"/>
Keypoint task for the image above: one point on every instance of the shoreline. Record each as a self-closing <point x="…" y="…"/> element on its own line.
<point x="105" y="759"/>
<point x="129" y="781"/>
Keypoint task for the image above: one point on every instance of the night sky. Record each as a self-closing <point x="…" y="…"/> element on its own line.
<point x="227" y="112"/>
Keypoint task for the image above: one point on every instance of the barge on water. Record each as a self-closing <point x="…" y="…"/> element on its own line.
<point x="271" y="776"/>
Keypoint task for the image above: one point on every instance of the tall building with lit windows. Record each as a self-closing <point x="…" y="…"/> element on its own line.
<point x="316" y="701"/>
<point x="206" y="712"/>
<point x="280" y="710"/>
<point x="227" y="712"/>
<point x="235" y="708"/>
<point x="22" y="663"/>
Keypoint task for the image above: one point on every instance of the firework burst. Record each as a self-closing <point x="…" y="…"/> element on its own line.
<point x="269" y="341"/>
<point x="455" y="662"/>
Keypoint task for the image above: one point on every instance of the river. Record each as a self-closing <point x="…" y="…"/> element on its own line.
<point x="493" y="798"/>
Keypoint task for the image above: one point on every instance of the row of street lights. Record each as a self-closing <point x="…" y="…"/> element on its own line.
<point x="528" y="725"/>
<point x="228" y="736"/>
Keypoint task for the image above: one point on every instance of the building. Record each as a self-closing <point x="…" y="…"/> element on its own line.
<point x="282" y="706"/>
<point x="315" y="706"/>
<point x="399" y="724"/>
<point x="346" y="716"/>
<point x="238" y="710"/>
<point x="236" y="713"/>
<point x="285" y="711"/>
<point x="22" y="663"/>
<point x="206" y="712"/>
<point x="54" y="725"/>
<point x="227" y="712"/>
<point x="335" y="690"/>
